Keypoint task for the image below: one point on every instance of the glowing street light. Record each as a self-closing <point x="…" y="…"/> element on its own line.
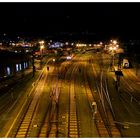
<point x="113" y="47"/>
<point x="101" y="43"/>
<point x="77" y="45"/>
<point x="41" y="42"/>
<point x="41" y="51"/>
<point x="41" y="47"/>
<point x="114" y="42"/>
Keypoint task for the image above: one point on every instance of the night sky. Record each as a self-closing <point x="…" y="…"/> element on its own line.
<point x="102" y="19"/>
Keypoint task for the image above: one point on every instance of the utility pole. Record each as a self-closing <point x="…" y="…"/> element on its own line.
<point x="33" y="57"/>
<point x="41" y="52"/>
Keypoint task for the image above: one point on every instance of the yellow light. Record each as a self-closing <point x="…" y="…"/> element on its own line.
<point x="114" y="48"/>
<point x="114" y="42"/>
<point x="41" y="42"/>
<point x="110" y="48"/>
<point x="41" y="47"/>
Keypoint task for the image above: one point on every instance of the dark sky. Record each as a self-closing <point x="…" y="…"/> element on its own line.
<point x="107" y="19"/>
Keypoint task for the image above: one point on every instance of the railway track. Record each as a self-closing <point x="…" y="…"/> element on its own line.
<point x="131" y="84"/>
<point x="49" y="127"/>
<point x="9" y="99"/>
<point x="105" y="122"/>
<point x="68" y="125"/>
<point x="20" y="127"/>
<point x="23" y="129"/>
<point x="23" y="124"/>
<point x="102" y="131"/>
<point x="73" y="123"/>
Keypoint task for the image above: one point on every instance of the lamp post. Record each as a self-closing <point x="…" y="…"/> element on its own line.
<point x="118" y="73"/>
<point x="33" y="64"/>
<point x="113" y="47"/>
<point x="41" y="51"/>
<point x="41" y="47"/>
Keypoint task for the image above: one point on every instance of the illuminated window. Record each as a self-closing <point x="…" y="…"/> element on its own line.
<point x="17" y="68"/>
<point x="8" y="71"/>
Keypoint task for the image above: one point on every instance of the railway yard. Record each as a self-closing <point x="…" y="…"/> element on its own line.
<point x="70" y="99"/>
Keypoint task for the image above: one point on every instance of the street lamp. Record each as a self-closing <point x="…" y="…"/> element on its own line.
<point x="41" y="42"/>
<point x="41" y="51"/>
<point x="114" y="42"/>
<point x="113" y="47"/>
<point x="41" y="47"/>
